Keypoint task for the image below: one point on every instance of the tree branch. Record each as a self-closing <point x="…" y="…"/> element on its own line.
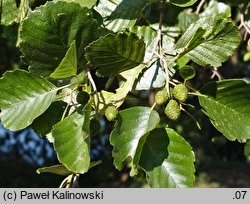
<point x="242" y="24"/>
<point x="96" y="102"/>
<point x="217" y="74"/>
<point x="200" y="6"/>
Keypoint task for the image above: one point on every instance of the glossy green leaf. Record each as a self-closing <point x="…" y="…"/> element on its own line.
<point x="9" y="12"/>
<point x="183" y="3"/>
<point x="113" y="54"/>
<point x="119" y="14"/>
<point x="45" y="39"/>
<point x="23" y="98"/>
<point x="227" y="104"/>
<point x="55" y="169"/>
<point x="209" y="41"/>
<point x="168" y="160"/>
<point x="247" y="149"/>
<point x="42" y="125"/>
<point x="71" y="143"/>
<point x="132" y="126"/>
<point x="83" y="3"/>
<point x="68" y="65"/>
<point x="187" y="72"/>
<point x="152" y="77"/>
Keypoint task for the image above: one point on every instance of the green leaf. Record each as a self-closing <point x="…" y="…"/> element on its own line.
<point x="148" y="35"/>
<point x="129" y="134"/>
<point x="46" y="38"/>
<point x="227" y="104"/>
<point x="234" y="2"/>
<point x="24" y="97"/>
<point x="55" y="169"/>
<point x="71" y="143"/>
<point x="182" y="61"/>
<point x="247" y="149"/>
<point x="23" y="10"/>
<point x="95" y="126"/>
<point x="168" y="160"/>
<point x="83" y="3"/>
<point x="183" y="3"/>
<point x="120" y="14"/>
<point x="215" y="8"/>
<point x="113" y="54"/>
<point x="42" y="125"/>
<point x="61" y="169"/>
<point x="209" y="41"/>
<point x="125" y="86"/>
<point x="187" y="72"/>
<point x="9" y="12"/>
<point x="186" y="18"/>
<point x="153" y="77"/>
<point x="68" y="65"/>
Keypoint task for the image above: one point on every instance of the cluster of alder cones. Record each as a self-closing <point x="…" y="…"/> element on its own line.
<point x="177" y="95"/>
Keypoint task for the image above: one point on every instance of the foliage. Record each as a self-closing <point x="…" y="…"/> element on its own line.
<point x="70" y="45"/>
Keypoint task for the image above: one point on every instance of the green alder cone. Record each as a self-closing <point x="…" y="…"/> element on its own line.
<point x="172" y="110"/>
<point x="161" y="97"/>
<point x="180" y="92"/>
<point x="111" y="113"/>
<point x="246" y="57"/>
<point x="248" y="48"/>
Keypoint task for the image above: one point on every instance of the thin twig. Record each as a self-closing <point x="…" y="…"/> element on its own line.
<point x="159" y="38"/>
<point x="96" y="102"/>
<point x="157" y="43"/>
<point x="1" y="9"/>
<point x="152" y="108"/>
<point x="200" y="6"/>
<point x="192" y="117"/>
<point x="65" y="111"/>
<point x="217" y="74"/>
<point x="165" y="67"/>
<point x="68" y="105"/>
<point x="243" y="24"/>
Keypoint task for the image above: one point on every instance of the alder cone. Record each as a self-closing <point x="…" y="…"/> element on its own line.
<point x="161" y="97"/>
<point x="111" y="113"/>
<point x="180" y="92"/>
<point x="173" y="110"/>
